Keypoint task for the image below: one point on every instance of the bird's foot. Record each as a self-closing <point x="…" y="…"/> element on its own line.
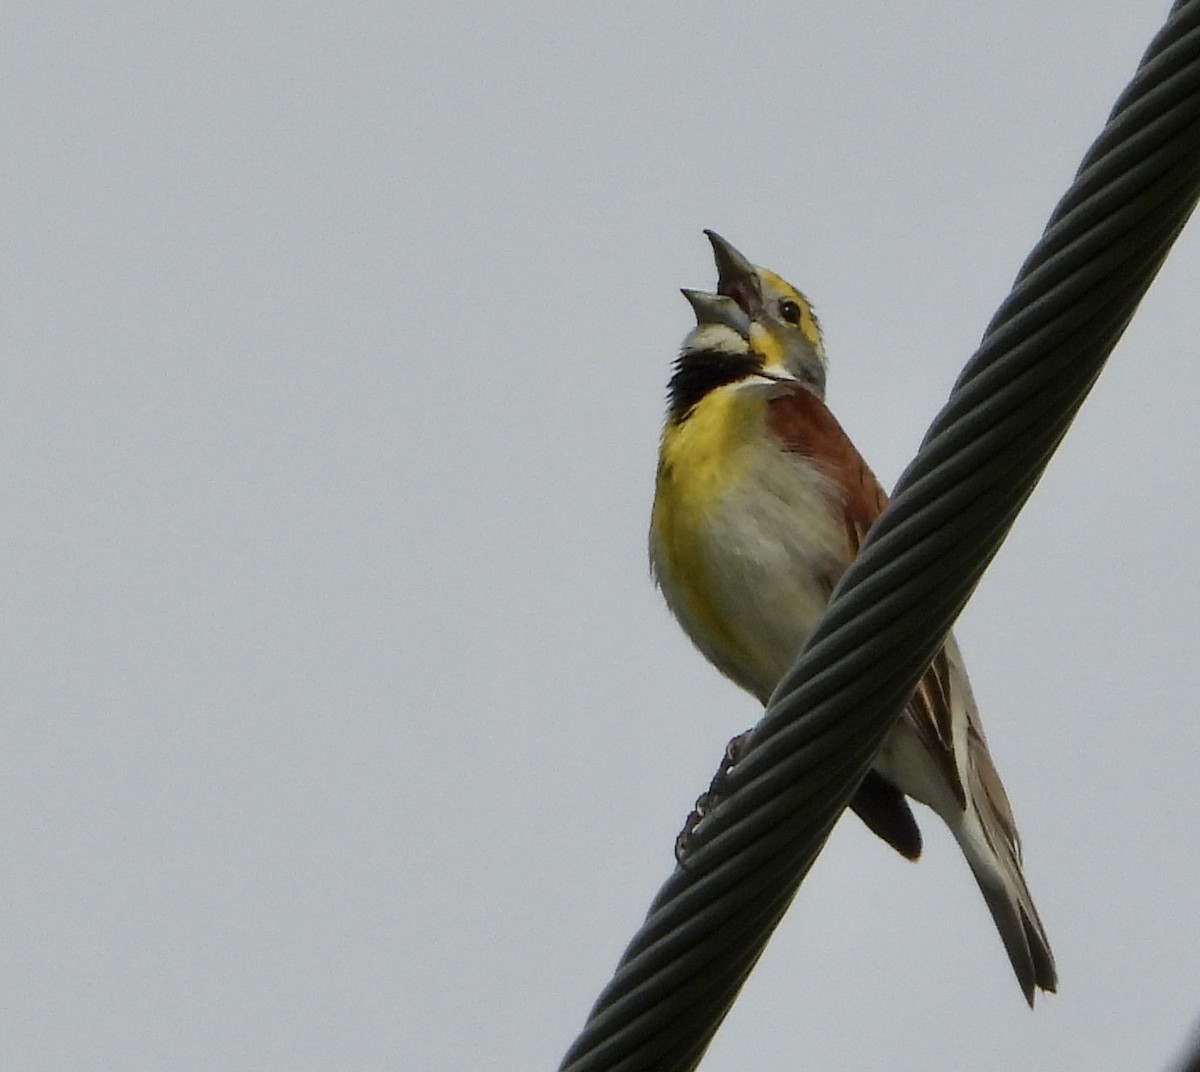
<point x="708" y="800"/>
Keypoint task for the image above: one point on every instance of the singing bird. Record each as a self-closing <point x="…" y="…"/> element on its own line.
<point x="761" y="502"/>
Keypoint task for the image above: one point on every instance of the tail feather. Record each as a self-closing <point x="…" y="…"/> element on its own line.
<point x="937" y="754"/>
<point x="1020" y="929"/>
<point x="988" y="838"/>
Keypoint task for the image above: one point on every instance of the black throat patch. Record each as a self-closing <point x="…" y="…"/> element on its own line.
<point x="699" y="371"/>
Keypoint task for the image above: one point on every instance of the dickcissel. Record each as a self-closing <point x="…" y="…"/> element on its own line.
<point x="761" y="503"/>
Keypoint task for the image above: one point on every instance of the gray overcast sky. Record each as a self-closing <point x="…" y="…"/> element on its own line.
<point x="342" y="727"/>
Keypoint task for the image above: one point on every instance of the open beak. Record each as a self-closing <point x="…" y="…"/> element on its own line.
<point x="718" y="309"/>
<point x="737" y="278"/>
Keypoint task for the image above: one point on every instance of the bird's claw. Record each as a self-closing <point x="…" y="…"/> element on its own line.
<point x="707" y="802"/>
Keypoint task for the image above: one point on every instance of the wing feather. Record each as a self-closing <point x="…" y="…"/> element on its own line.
<point x="805" y="426"/>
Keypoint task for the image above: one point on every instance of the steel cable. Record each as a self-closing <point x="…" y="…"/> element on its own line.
<point x="951" y="510"/>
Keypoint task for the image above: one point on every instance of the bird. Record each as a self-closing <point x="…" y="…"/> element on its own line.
<point x="761" y="503"/>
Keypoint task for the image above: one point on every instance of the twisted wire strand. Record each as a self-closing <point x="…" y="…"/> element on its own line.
<point x="951" y="510"/>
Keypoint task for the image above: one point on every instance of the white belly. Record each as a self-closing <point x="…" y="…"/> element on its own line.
<point x="773" y="547"/>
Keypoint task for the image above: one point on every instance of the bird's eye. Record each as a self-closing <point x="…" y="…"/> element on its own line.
<point x="790" y="311"/>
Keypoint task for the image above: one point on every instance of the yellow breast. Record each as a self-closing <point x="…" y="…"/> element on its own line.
<point x="700" y="459"/>
<point x="739" y="529"/>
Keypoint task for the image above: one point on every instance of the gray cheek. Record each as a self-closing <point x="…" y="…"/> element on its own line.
<point x="813" y="374"/>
